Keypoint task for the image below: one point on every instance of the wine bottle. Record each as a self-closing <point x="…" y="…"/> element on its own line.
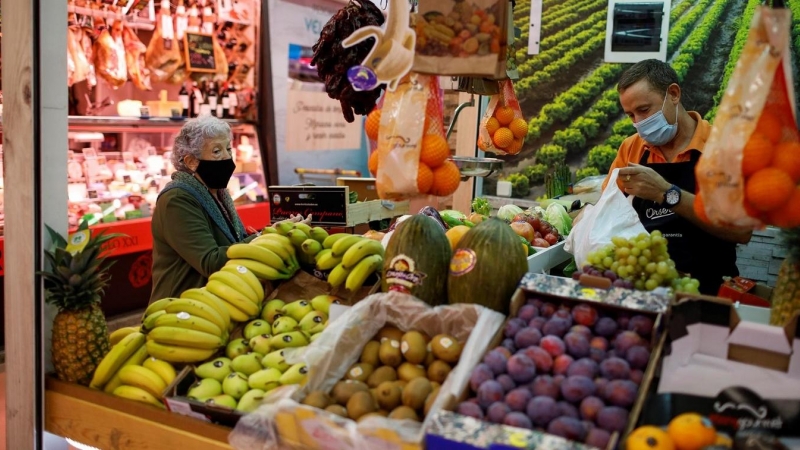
<point x="225" y="102"/>
<point x="233" y="101"/>
<point x="197" y="99"/>
<point x="213" y="98"/>
<point x="183" y="96"/>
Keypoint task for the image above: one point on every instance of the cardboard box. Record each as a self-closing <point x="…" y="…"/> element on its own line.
<point x="454" y="431"/>
<point x="746" y="291"/>
<point x="740" y="374"/>
<point x="305" y="286"/>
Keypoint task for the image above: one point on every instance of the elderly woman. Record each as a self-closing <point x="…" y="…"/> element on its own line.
<point x="195" y="220"/>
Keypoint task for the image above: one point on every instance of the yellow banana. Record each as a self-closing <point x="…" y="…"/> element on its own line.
<point x="324" y="253"/>
<point x="297" y="237"/>
<point x="333" y="238"/>
<point x="199" y="309"/>
<point x="233" y="297"/>
<point x="262" y="271"/>
<point x="203" y="296"/>
<point x="185" y="338"/>
<point x="249" y="277"/>
<point x="328" y="261"/>
<point x="143" y="378"/>
<point x="279" y="238"/>
<point x="361" y="250"/>
<point x="278" y="248"/>
<point x="149" y="322"/>
<point x="342" y="245"/>
<point x="235" y="313"/>
<point x="284" y="227"/>
<point x="178" y="354"/>
<point x="157" y="305"/>
<point x="338" y="276"/>
<point x="362" y="270"/>
<point x="311" y="247"/>
<point x="235" y="282"/>
<point x="162" y="368"/>
<point x="117" y="335"/>
<point x="318" y="234"/>
<point x="257" y="253"/>
<point x="136" y="359"/>
<point x="189" y="322"/>
<point x="115" y="358"/>
<point x="137" y="394"/>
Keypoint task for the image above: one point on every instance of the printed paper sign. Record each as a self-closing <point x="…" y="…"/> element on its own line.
<point x="314" y="122"/>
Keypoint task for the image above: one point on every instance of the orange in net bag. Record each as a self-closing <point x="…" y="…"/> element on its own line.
<point x="413" y="153"/>
<point x="503" y="129"/>
<point x="749" y="174"/>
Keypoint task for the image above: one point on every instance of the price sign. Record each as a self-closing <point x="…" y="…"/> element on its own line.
<point x="199" y="48"/>
<point x="326" y="204"/>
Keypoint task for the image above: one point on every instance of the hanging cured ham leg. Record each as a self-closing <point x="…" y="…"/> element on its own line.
<point x="134" y="56"/>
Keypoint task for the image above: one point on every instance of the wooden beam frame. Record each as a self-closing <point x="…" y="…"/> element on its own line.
<point x="35" y="153"/>
<point x="466" y="138"/>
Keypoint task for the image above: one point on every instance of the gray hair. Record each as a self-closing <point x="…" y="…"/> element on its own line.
<point x="194" y="132"/>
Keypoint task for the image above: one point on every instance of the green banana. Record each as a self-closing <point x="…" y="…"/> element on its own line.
<point x="284" y="227"/>
<point x="342" y="245"/>
<point x="188" y="322"/>
<point x="333" y="238"/>
<point x="269" y="230"/>
<point x="199" y="309"/>
<point x="262" y="271"/>
<point x="327" y="261"/>
<point x="162" y="368"/>
<point x="311" y="247"/>
<point x="143" y="378"/>
<point x="177" y="354"/>
<point x="137" y="394"/>
<point x="338" y="276"/>
<point x="318" y="234"/>
<point x="249" y="277"/>
<point x="297" y="237"/>
<point x="203" y="296"/>
<point x="138" y="357"/>
<point x="115" y="358"/>
<point x="185" y="338"/>
<point x="257" y="253"/>
<point x="367" y="247"/>
<point x="233" y="297"/>
<point x="304" y="227"/>
<point x="362" y="270"/>
<point x="237" y="283"/>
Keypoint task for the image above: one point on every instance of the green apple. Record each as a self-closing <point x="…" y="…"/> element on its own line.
<point x="283" y="324"/>
<point x="286" y="340"/>
<point x="247" y="364"/>
<point x="266" y="379"/>
<point x="295" y="375"/>
<point x="260" y="344"/>
<point x="205" y="389"/>
<point x="313" y="322"/>
<point x="217" y="369"/>
<point x="222" y="400"/>
<point x="271" y="310"/>
<point x="322" y="303"/>
<point x="251" y="400"/>
<point x="275" y="360"/>
<point x="235" y="385"/>
<point x="297" y="310"/>
<point x="236" y="348"/>
<point x="255" y="328"/>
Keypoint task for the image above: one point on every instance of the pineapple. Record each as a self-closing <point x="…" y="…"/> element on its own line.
<point x="786" y="295"/>
<point x="74" y="286"/>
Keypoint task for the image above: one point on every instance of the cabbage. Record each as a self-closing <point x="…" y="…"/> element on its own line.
<point x="536" y="211"/>
<point x="558" y="217"/>
<point x="507" y="212"/>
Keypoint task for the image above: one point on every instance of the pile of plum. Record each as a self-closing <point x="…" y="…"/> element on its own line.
<point x="573" y="373"/>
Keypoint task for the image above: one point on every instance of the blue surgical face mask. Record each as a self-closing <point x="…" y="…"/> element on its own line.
<point x="655" y="129"/>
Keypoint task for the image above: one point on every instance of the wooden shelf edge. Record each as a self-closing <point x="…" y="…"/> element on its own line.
<point x="104" y="421"/>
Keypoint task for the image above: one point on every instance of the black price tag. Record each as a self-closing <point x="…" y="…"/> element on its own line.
<point x="199" y="48"/>
<point x="126" y="178"/>
<point x="326" y="204"/>
<point x="91" y="193"/>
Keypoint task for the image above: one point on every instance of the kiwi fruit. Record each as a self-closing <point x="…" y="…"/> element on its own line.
<point x="343" y="390"/>
<point x="317" y="399"/>
<point x="438" y="371"/>
<point x="401" y="384"/>
<point x="388" y="394"/>
<point x="368" y="415"/>
<point x="374" y="393"/>
<point x="339" y="410"/>
<point x="429" y="401"/>
<point x="370" y="353"/>
<point x="381" y="374"/>
<point x="359" y="404"/>
<point x="429" y="358"/>
<point x="360" y="372"/>
<point x="408" y="371"/>
<point x="389" y="353"/>
<point x="415" y="393"/>
<point x="404" y="412"/>
<point x="389" y="332"/>
<point x="435" y="385"/>
<point x="446" y="348"/>
<point x="413" y="347"/>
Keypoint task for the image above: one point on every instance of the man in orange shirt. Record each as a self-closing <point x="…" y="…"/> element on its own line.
<point x="657" y="169"/>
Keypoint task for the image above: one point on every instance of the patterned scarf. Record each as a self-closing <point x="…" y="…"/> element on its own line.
<point x="190" y="184"/>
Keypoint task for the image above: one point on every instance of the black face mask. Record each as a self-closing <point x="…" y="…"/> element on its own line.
<point x="216" y="173"/>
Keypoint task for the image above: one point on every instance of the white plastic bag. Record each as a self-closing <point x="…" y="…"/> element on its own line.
<point x="613" y="215"/>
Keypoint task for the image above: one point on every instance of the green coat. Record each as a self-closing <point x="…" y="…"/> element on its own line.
<point x="187" y="245"/>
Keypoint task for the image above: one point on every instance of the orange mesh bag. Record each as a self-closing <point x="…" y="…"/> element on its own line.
<point x="503" y="129"/>
<point x="413" y="153"/>
<point x="750" y="169"/>
<point x="372" y="125"/>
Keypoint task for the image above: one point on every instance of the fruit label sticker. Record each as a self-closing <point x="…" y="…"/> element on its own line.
<point x="404" y="347"/>
<point x="446" y="342"/>
<point x="356" y="372"/>
<point x="241" y="269"/>
<point x="589" y="293"/>
<point x="394" y="344"/>
<point x="402" y="276"/>
<point x="77" y="241"/>
<point x="463" y="262"/>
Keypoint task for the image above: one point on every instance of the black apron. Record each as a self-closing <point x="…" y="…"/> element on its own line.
<point x="695" y="252"/>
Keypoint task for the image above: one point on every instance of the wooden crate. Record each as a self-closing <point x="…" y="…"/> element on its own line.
<point x="365" y="212"/>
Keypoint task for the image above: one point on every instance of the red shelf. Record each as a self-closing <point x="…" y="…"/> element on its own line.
<point x="140" y="239"/>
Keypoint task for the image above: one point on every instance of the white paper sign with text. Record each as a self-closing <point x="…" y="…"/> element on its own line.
<point x="314" y="121"/>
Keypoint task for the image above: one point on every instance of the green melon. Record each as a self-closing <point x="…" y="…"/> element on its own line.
<point x="486" y="267"/>
<point x="417" y="260"/>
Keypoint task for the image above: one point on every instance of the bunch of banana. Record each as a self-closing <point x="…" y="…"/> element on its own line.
<point x="144" y="383"/>
<point x="238" y="288"/>
<point x="306" y="240"/>
<point x="185" y="330"/>
<point x="351" y="259"/>
<point x="270" y="257"/>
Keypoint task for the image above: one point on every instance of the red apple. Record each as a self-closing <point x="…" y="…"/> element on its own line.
<point x="541" y="243"/>
<point x="532" y="219"/>
<point x="551" y="238"/>
<point x="539" y="235"/>
<point x="523" y="229"/>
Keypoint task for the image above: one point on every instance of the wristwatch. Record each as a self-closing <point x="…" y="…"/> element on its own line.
<point x="672" y="197"/>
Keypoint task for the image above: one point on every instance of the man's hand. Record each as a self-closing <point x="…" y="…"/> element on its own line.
<point x="643" y="182"/>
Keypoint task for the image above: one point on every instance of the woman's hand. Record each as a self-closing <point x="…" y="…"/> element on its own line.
<point x="643" y="182"/>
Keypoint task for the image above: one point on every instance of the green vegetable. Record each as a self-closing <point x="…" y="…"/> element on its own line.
<point x="571" y="268"/>
<point x="520" y="186"/>
<point x="453" y="218"/>
<point x="481" y="206"/>
<point x="558" y="218"/>
<point x="507" y="212"/>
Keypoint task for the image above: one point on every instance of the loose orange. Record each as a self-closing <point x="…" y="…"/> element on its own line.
<point x="752" y="212"/>
<point x="757" y="154"/>
<point x="492" y="125"/>
<point x="768" y="189"/>
<point x="770" y="125"/>
<point x="649" y="437"/>
<point x="787" y="158"/>
<point x="455" y="234"/>
<point x="434" y="150"/>
<point x="503" y="137"/>
<point x="446" y="179"/>
<point x="519" y="127"/>
<point x="691" y="432"/>
<point x="700" y="208"/>
<point x="424" y="178"/>
<point x="787" y="216"/>
<point x="372" y="163"/>
<point x="515" y="147"/>
<point x="373" y="124"/>
<point x="504" y="115"/>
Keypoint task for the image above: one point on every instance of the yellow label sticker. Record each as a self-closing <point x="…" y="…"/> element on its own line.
<point x="517" y="440"/>
<point x="589" y="293"/>
<point x="77" y="241"/>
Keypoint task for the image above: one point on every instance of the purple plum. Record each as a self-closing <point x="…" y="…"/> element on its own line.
<point x="545" y="385"/>
<point x="518" y="398"/>
<point x="496" y="361"/>
<point x="496" y="412"/>
<point x="585" y="367"/>
<point x="642" y="325"/>
<point x="470" y="409"/>
<point x="590" y="406"/>
<point x="527" y="337"/>
<point x="605" y="327"/>
<point x="577" y="345"/>
<point x="528" y="312"/>
<point x="506" y="381"/>
<point x="637" y="357"/>
<point x="520" y="368"/>
<point x="480" y="374"/>
<point x="576" y="388"/>
<point x="567" y="427"/>
<point x="615" y="369"/>
<point x="540" y="357"/>
<point x="556" y="326"/>
<point x="542" y="410"/>
<point x="489" y="392"/>
<point x="513" y="326"/>
<point x="612" y="418"/>
<point x="567" y="410"/>
<point x="518" y="419"/>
